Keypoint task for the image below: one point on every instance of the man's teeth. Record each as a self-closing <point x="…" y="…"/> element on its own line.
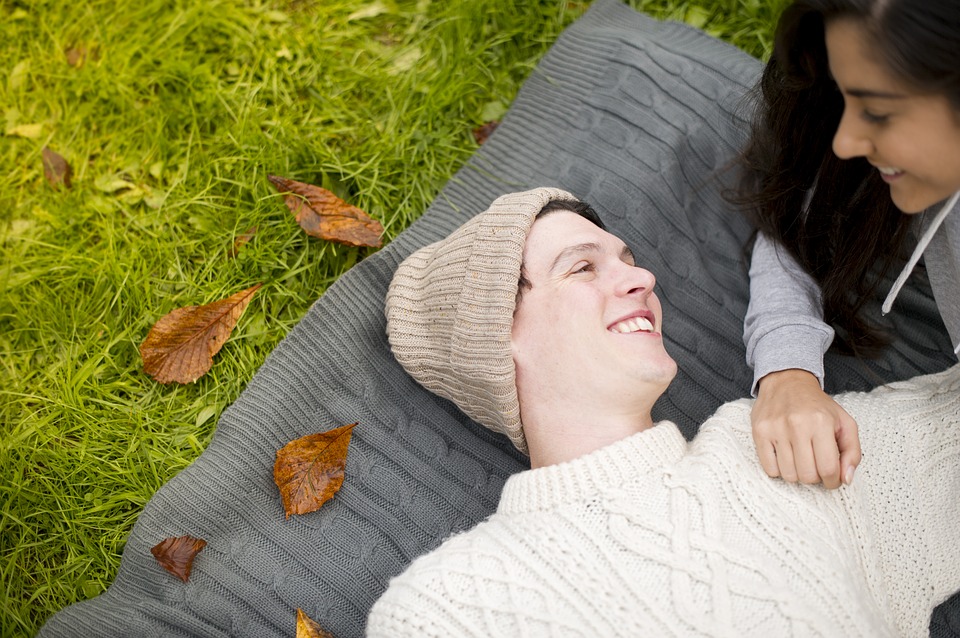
<point x="889" y="171"/>
<point x="637" y="324"/>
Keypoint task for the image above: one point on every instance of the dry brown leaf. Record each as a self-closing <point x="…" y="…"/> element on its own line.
<point x="76" y="56"/>
<point x="176" y="554"/>
<point x="322" y="214"/>
<point x="308" y="628"/>
<point x="56" y="169"/>
<point x="309" y="470"/>
<point x="79" y="54"/>
<point x="181" y="345"/>
<point x="481" y="133"/>
<point x="242" y="241"/>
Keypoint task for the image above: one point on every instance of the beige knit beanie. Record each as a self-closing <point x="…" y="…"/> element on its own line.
<point x="450" y="311"/>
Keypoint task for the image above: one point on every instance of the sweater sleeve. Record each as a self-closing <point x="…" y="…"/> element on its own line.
<point x="784" y="325"/>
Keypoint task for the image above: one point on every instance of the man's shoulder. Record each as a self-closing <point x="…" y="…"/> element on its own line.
<point x="440" y="592"/>
<point x="730" y="418"/>
<point x="486" y="547"/>
<point x="734" y="409"/>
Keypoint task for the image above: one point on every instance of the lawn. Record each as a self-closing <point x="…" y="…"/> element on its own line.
<point x="171" y="114"/>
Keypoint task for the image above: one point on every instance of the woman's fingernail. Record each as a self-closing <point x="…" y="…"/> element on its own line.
<point x="848" y="476"/>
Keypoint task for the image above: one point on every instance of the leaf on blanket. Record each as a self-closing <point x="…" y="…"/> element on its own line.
<point x="181" y="345"/>
<point x="308" y="628"/>
<point x="176" y="554"/>
<point x="481" y="133"/>
<point x="322" y="214"/>
<point x="56" y="169"/>
<point x="309" y="470"/>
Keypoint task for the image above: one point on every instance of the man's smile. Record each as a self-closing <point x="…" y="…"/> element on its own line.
<point x="642" y="321"/>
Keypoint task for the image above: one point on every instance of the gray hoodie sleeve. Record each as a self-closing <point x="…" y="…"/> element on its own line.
<point x="784" y="325"/>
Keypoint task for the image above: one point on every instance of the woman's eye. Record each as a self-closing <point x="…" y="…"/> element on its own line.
<point x="586" y="267"/>
<point x="873" y="118"/>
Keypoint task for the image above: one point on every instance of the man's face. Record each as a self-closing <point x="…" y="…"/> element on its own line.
<point x="589" y="326"/>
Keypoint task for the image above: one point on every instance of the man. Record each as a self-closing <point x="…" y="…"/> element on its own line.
<point x="539" y="325"/>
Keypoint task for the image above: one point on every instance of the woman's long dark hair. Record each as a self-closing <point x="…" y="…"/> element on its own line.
<point x="851" y="233"/>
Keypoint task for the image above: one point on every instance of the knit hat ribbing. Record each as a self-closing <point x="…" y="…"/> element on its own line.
<point x="450" y="311"/>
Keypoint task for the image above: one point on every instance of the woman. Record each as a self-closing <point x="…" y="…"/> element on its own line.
<point x="853" y="161"/>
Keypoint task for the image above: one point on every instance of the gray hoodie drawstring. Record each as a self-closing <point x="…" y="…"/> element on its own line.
<point x="915" y="257"/>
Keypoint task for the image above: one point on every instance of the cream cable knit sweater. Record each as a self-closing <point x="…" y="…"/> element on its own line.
<point x="655" y="537"/>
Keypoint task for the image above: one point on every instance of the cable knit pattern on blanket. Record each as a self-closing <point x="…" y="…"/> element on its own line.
<point x="652" y="537"/>
<point x="636" y="116"/>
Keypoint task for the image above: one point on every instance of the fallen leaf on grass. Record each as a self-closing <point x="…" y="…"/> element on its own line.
<point x="112" y="184"/>
<point x="370" y="11"/>
<point x="78" y="55"/>
<point x="56" y="169"/>
<point x="308" y="628"/>
<point x="309" y="470"/>
<point x="176" y="554"/>
<point x="481" y="133"/>
<point x="29" y="131"/>
<point x="405" y="61"/>
<point x="242" y="240"/>
<point x="18" y="75"/>
<point x="181" y="345"/>
<point x="322" y="214"/>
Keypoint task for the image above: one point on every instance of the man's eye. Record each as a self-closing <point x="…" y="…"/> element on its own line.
<point x="585" y="267"/>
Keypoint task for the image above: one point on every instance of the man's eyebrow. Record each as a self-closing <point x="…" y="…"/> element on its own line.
<point x="571" y="252"/>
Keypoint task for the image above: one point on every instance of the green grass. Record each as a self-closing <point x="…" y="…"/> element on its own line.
<point x="193" y="104"/>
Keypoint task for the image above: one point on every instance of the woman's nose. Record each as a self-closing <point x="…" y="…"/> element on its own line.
<point x="851" y="139"/>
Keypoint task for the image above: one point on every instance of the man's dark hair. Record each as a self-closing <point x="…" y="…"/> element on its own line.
<point x="583" y="209"/>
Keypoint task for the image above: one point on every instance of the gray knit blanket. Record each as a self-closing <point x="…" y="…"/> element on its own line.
<point x="638" y="117"/>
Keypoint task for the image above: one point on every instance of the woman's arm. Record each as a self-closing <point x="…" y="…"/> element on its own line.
<point x="800" y="432"/>
<point x="784" y="327"/>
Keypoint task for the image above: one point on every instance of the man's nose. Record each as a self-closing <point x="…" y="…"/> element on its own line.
<point x="637" y="280"/>
<point x="851" y="139"/>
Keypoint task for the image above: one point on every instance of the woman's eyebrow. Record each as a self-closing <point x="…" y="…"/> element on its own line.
<point x="870" y="93"/>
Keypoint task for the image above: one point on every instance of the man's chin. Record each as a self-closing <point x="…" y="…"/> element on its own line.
<point x="659" y="374"/>
<point x="667" y="373"/>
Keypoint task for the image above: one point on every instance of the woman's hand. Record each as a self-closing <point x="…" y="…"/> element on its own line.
<point x="801" y="433"/>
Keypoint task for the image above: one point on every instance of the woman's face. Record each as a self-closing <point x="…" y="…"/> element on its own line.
<point x="913" y="139"/>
